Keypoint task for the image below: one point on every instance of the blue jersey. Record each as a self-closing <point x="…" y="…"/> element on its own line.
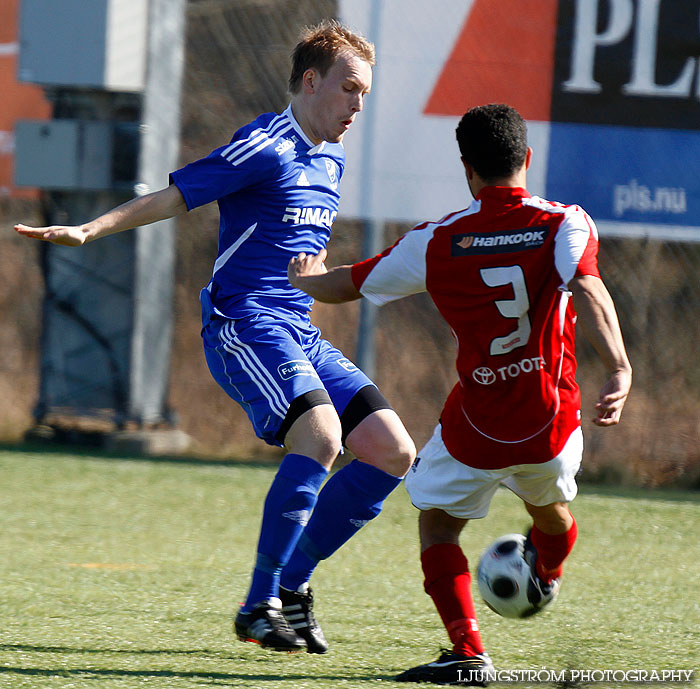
<point x="278" y="196"/>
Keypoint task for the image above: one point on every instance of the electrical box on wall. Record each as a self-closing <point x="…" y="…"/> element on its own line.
<point x="112" y="72"/>
<point x="97" y="44"/>
<point x="76" y="154"/>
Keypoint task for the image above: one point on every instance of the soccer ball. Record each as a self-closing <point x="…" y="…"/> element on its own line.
<point x="503" y="576"/>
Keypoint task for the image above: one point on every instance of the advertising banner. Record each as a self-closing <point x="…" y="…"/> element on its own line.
<point x="610" y="90"/>
<point x="19" y="101"/>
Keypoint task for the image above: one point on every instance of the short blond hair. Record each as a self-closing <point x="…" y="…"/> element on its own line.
<point x="319" y="47"/>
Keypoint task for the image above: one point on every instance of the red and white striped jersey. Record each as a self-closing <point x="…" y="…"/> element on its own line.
<point x="498" y="273"/>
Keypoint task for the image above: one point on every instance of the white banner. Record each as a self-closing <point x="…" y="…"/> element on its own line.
<point x="610" y="95"/>
<point x="404" y="164"/>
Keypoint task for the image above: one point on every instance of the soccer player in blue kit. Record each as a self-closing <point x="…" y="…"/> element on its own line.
<point x="276" y="184"/>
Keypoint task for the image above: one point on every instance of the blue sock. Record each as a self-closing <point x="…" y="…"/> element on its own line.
<point x="288" y="506"/>
<point x="351" y="497"/>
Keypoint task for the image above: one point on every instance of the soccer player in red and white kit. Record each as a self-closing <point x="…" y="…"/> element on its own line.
<point x="511" y="274"/>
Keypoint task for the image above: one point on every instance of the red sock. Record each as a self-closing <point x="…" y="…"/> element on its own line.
<point x="552" y="551"/>
<point x="448" y="583"/>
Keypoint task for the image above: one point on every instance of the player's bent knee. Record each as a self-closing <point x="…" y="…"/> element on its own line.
<point x="298" y="408"/>
<point x="437" y="527"/>
<point x="324" y="449"/>
<point x="551" y="519"/>
<point x="387" y="447"/>
<point x="313" y="428"/>
<point x="401" y="461"/>
<point x="373" y="432"/>
<point x="364" y="403"/>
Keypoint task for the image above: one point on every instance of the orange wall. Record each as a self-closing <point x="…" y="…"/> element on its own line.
<point x="17" y="101"/>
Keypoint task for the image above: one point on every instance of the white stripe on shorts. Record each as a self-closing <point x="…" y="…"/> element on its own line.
<point x="254" y="368"/>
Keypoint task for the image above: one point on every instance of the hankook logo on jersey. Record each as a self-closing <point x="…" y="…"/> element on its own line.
<point x="484" y="375"/>
<point x="295" y="368"/>
<point x="499" y="242"/>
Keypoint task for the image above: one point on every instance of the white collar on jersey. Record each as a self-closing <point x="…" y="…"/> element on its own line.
<point x="314" y="148"/>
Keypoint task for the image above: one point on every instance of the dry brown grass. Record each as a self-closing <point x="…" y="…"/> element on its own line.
<point x="236" y="67"/>
<point x="656" y="445"/>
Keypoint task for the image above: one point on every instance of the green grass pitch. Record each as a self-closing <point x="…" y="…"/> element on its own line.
<point x="123" y="574"/>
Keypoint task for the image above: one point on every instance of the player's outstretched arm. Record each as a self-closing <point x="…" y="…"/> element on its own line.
<point x="598" y="320"/>
<point x="143" y="210"/>
<point x="308" y="273"/>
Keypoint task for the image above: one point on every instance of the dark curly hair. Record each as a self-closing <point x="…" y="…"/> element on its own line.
<point x="493" y="140"/>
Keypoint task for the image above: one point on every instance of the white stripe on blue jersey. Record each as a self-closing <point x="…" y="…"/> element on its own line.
<point x="254" y="136"/>
<point x="238" y="159"/>
<point x="242" y="150"/>
<point x="256" y="143"/>
<point x="232" y="249"/>
<point x="255" y="180"/>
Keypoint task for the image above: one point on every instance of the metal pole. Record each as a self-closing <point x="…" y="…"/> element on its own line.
<point x="374" y="227"/>
<point x="155" y="245"/>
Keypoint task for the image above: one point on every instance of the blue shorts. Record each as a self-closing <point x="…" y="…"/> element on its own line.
<point x="266" y="360"/>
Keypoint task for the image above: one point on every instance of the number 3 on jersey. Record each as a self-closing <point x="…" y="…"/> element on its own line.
<point x="510" y="308"/>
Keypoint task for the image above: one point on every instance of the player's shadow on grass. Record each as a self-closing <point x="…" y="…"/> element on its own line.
<point x="202" y="652"/>
<point x="220" y="678"/>
<point x="60" y="450"/>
